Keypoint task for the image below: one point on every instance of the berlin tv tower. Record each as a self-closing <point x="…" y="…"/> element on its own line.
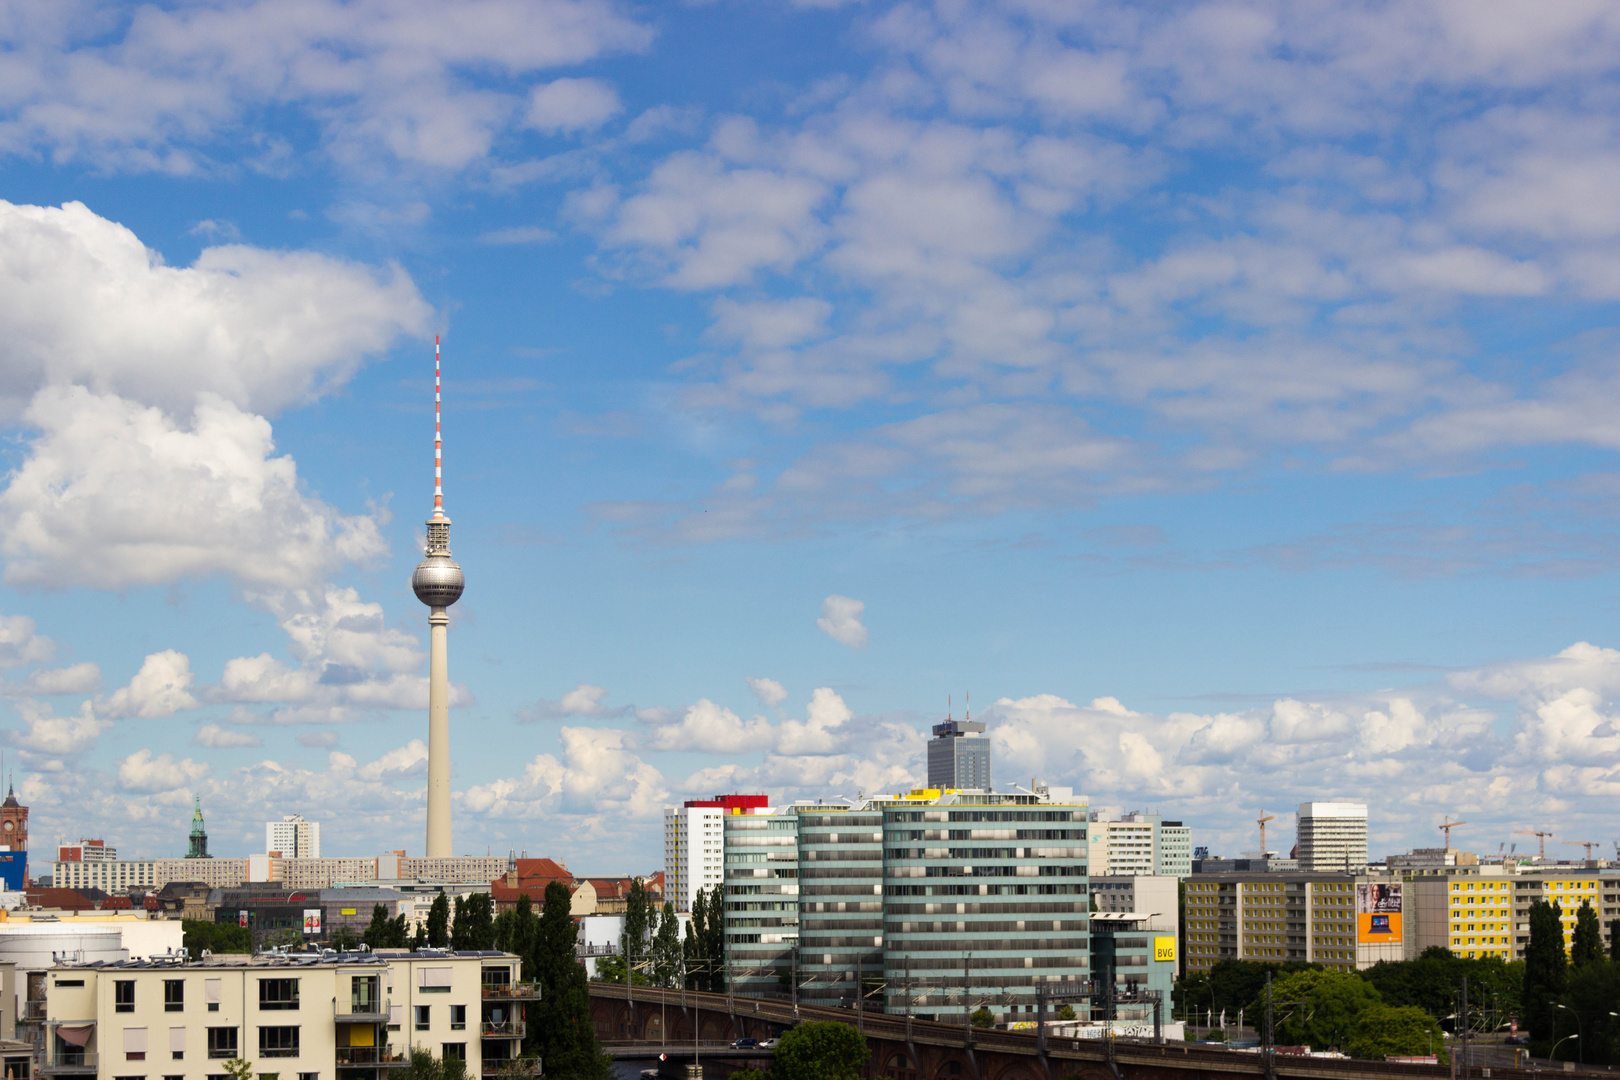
<point x="438" y="583"/>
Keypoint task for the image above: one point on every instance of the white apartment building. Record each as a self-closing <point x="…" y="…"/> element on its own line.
<point x="694" y="844"/>
<point x="86" y="851"/>
<point x="1332" y="837"/>
<point x="294" y="837"/>
<point x="1139" y="844"/>
<point x="116" y="876"/>
<point x="299" y="1016"/>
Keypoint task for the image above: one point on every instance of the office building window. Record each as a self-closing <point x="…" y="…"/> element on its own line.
<point x="124" y="995"/>
<point x="174" y="995"/>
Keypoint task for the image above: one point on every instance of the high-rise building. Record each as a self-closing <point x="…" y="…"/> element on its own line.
<point x="836" y="902"/>
<point x="294" y="837"/>
<point x="1332" y="837"/>
<point x="1139" y="843"/>
<point x="694" y="839"/>
<point x="199" y="834"/>
<point x="1275" y="917"/>
<point x="959" y="756"/>
<point x="438" y="583"/>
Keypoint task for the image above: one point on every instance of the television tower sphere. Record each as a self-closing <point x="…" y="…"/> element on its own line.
<point x="438" y="580"/>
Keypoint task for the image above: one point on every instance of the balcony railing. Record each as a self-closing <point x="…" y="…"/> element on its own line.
<point x="503" y="1029"/>
<point x="72" y="1063"/>
<point x="362" y="1011"/>
<point x="596" y="950"/>
<point x="525" y="991"/>
<point x="370" y="1055"/>
<point x="529" y="1066"/>
<point x="33" y="1011"/>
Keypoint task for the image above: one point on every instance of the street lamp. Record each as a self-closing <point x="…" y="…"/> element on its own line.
<point x="1553" y="1054"/>
<point x="1578" y="1028"/>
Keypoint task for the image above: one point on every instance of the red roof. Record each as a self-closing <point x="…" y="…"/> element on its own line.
<point x="65" y="899"/>
<point x="733" y="802"/>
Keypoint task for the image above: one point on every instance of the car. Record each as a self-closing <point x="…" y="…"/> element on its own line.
<point x="768" y="1044"/>
<point x="745" y="1044"/>
<point x="1517" y="1040"/>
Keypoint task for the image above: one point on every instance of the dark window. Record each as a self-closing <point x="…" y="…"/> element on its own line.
<point x="422" y="1017"/>
<point x="363" y="994"/>
<point x="309" y="1076"/>
<point x="458" y="1017"/>
<point x="174" y="995"/>
<point x="69" y="982"/>
<point x="177" y="1055"/>
<point x="221" y="1042"/>
<point x="278" y="993"/>
<point x="123" y="995"/>
<point x="456" y="1051"/>
<point x="135" y="1055"/>
<point x="278" y="1042"/>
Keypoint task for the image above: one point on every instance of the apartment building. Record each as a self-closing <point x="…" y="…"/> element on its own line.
<point x="349" y="1016"/>
<point x="1484" y="910"/>
<point x="1332" y="837"/>
<point x="923" y="901"/>
<point x="1287" y="916"/>
<point x="293" y="837"/>
<point x="1139" y="843"/>
<point x="694" y="844"/>
<point x="121" y="875"/>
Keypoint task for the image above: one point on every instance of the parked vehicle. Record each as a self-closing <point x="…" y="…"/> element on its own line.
<point x="768" y="1044"/>
<point x="745" y="1044"/>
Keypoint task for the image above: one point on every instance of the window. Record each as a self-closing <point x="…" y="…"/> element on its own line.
<point x="363" y="994"/>
<point x="174" y="995"/>
<point x="123" y="995"/>
<point x="221" y="1042"/>
<point x="456" y="1051"/>
<point x="278" y="993"/>
<point x="309" y="1076"/>
<point x="422" y="1017"/>
<point x="458" y="1017"/>
<point x="278" y="1042"/>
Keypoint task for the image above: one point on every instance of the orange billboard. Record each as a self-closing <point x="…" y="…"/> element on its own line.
<point x="1378" y="914"/>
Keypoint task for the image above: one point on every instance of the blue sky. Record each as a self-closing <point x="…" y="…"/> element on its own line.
<point x="1224" y="394"/>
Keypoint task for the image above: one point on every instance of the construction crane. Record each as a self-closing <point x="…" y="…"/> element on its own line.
<point x="1447" y="827"/>
<point x="1542" y="836"/>
<point x="1587" y="844"/>
<point x="1264" y="817"/>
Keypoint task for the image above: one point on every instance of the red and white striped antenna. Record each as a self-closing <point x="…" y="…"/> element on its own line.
<point x="438" y="439"/>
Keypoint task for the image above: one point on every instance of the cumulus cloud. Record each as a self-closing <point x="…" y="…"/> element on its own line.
<point x="598" y="777"/>
<point x="256" y="328"/>
<point x="161" y="688"/>
<point x="20" y="645"/>
<point x="711" y="728"/>
<point x="215" y="737"/>
<point x="319" y="739"/>
<point x="841" y="620"/>
<point x="407" y="760"/>
<point x="80" y="678"/>
<point x="565" y="106"/>
<point x="144" y="773"/>
<point x="583" y="700"/>
<point x="48" y="740"/>
<point x="770" y="692"/>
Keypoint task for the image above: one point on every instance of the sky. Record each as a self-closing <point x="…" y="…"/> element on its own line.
<point x="1224" y="395"/>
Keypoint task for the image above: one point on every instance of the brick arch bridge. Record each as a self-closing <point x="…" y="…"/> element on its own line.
<point x="646" y="1021"/>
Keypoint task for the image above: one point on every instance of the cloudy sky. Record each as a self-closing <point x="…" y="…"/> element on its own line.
<point x="1227" y="395"/>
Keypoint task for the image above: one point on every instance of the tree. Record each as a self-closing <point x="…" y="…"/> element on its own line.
<point x="384" y="933"/>
<point x="638" y="915"/>
<point x="1586" y="944"/>
<point x="1433" y="980"/>
<point x="560" y="1030"/>
<point x="1546" y="970"/>
<point x="714" y="940"/>
<point x="438" y="922"/>
<point x="424" y="1066"/>
<point x="1614" y="940"/>
<point x="697" y="972"/>
<point x="1593" y="991"/>
<point x="239" y="1069"/>
<point x="459" y="926"/>
<point x="819" y="1051"/>
<point x="1384" y="1030"/>
<point x="477" y="923"/>
<point x="982" y="1018"/>
<point x="1066" y="1013"/>
<point x="197" y="935"/>
<point x="343" y="940"/>
<point x="1319" y="1007"/>
<point x="666" y="950"/>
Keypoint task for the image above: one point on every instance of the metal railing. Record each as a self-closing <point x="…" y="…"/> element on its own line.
<point x="528" y="1066"/>
<point x="33" y="1011"/>
<point x="60" y="1062"/>
<point x="524" y="991"/>
<point x="361" y="1012"/>
<point x="502" y="1029"/>
<point x="370" y="1055"/>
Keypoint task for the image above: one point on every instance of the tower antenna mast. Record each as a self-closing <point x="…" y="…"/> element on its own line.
<point x="438" y="583"/>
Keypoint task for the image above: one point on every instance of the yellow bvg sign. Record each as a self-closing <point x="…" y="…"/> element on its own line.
<point x="1164" y="948"/>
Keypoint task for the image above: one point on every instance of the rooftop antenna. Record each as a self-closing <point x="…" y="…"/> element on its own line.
<point x="968" y="713"/>
<point x="950" y="711"/>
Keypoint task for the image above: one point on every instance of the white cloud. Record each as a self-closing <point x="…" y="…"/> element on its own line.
<point x="260" y="329"/>
<point x="161" y="688"/>
<point x="599" y="778"/>
<point x="713" y="729"/>
<point x="141" y="772"/>
<point x="841" y="621"/>
<point x="770" y="692"/>
<point x="407" y="760"/>
<point x="566" y="106"/>
<point x="215" y="737"/>
<point x="48" y="739"/>
<point x="80" y="678"/>
<point x="20" y="645"/>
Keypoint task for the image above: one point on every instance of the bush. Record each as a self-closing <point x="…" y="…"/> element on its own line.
<point x="1383" y="1030"/>
<point x="197" y="935"/>
<point x="820" y="1051"/>
<point x="982" y="1018"/>
<point x="1319" y="1007"/>
<point x="1066" y="1013"/>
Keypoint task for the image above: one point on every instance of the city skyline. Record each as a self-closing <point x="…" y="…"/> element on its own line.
<point x="1222" y="395"/>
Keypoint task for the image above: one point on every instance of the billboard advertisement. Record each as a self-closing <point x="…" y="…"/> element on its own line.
<point x="1378" y="914"/>
<point x="1164" y="948"/>
<point x="312" y="920"/>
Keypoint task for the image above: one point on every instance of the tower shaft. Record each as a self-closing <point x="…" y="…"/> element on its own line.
<point x="438" y="783"/>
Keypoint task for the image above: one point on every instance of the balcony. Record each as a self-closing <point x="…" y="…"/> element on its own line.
<point x="370" y="1056"/>
<point x="507" y="1066"/>
<point x="61" y="1064"/>
<point x="33" y="1012"/>
<point x="503" y="1029"/>
<point x="362" y="1011"/>
<point x="526" y="991"/>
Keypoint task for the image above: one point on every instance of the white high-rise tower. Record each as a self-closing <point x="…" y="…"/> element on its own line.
<point x="438" y="583"/>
